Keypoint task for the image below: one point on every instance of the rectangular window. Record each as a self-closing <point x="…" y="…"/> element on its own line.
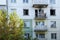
<point x="36" y="13"/>
<point x="39" y="12"/>
<point x="52" y="1"/>
<point x="52" y="12"/>
<point x="26" y="23"/>
<point x="13" y="1"/>
<point x="40" y="35"/>
<point x="13" y="10"/>
<point x="53" y="36"/>
<point x="25" y="1"/>
<point x="25" y="11"/>
<point x="53" y="24"/>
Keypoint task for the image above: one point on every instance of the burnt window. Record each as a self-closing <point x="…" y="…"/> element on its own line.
<point x="36" y="13"/>
<point x="52" y="12"/>
<point x="25" y="11"/>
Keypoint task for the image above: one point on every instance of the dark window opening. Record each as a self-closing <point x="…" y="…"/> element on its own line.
<point x="52" y="12"/>
<point x="53" y="36"/>
<point x="25" y="11"/>
<point x="36" y="13"/>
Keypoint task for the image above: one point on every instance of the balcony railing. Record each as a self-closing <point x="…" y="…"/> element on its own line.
<point x="40" y="16"/>
<point x="3" y="7"/>
<point x="40" y="28"/>
<point x="40" y="3"/>
<point x="42" y="39"/>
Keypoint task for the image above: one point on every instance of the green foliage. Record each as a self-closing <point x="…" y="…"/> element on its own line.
<point x="11" y="29"/>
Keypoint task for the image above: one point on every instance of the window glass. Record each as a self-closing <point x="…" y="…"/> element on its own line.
<point x="53" y="35"/>
<point x="41" y="23"/>
<point x="52" y="12"/>
<point x="25" y="11"/>
<point x="26" y="24"/>
<point x="13" y="1"/>
<point x="52" y="1"/>
<point x="53" y="24"/>
<point x="25" y="1"/>
<point x="41" y="35"/>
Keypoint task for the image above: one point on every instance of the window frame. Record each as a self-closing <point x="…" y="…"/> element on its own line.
<point x="53" y="25"/>
<point x="25" y="1"/>
<point x="52" y="1"/>
<point x="26" y="23"/>
<point x="54" y="13"/>
<point x="53" y="35"/>
<point x="39" y="23"/>
<point x="41" y="35"/>
<point x="13" y="1"/>
<point x="25" y="12"/>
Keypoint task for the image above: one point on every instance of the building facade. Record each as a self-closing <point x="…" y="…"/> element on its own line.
<point x="3" y="4"/>
<point x="41" y="17"/>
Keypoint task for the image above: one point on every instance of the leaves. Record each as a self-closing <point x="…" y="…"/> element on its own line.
<point x="11" y="29"/>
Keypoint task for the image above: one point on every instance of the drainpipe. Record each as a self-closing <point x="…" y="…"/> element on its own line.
<point x="7" y="9"/>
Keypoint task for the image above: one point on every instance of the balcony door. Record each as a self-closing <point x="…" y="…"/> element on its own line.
<point x="38" y="12"/>
<point x="40" y="36"/>
<point x="41" y="23"/>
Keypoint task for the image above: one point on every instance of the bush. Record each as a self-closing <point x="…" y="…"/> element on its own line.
<point x="12" y="28"/>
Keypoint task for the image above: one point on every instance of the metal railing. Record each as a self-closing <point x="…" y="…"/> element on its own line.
<point x="40" y="28"/>
<point x="42" y="39"/>
<point x="41" y="16"/>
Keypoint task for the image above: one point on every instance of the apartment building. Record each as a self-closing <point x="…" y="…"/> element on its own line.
<point x="41" y="17"/>
<point x="47" y="19"/>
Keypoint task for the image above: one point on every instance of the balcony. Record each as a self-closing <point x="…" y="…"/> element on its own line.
<point x="42" y="39"/>
<point x="40" y="3"/>
<point x="39" y="28"/>
<point x="41" y="16"/>
<point x="3" y="7"/>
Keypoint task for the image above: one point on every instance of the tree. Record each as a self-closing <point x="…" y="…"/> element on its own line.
<point x="11" y="29"/>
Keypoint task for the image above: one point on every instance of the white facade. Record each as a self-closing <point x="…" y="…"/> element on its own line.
<point x="3" y="4"/>
<point x="19" y="5"/>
